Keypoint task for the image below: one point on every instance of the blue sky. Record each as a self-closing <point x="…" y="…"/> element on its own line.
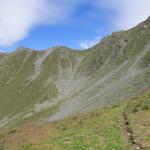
<point x="40" y="24"/>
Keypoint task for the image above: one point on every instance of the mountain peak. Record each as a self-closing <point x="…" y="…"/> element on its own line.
<point x="144" y="24"/>
<point x="22" y="48"/>
<point x="147" y="21"/>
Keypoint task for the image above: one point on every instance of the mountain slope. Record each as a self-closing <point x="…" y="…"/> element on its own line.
<point x="124" y="126"/>
<point x="99" y="130"/>
<point x="58" y="82"/>
<point x="137" y="115"/>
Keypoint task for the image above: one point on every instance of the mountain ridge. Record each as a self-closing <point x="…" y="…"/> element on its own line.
<point x="143" y="24"/>
<point x="58" y="82"/>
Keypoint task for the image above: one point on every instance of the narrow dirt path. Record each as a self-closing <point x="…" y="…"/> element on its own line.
<point x="128" y="133"/>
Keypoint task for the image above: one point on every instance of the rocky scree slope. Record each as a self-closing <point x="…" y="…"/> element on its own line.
<point x="58" y="82"/>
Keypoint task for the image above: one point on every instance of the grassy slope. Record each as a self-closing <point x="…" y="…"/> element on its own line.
<point x="100" y="129"/>
<point x="138" y="112"/>
<point x="97" y="130"/>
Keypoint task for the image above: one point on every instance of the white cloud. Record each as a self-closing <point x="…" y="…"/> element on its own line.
<point x="18" y="17"/>
<point x="89" y="43"/>
<point x="129" y="12"/>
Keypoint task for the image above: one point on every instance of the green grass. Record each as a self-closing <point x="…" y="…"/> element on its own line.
<point x="97" y="130"/>
<point x="100" y="129"/>
<point x="138" y="112"/>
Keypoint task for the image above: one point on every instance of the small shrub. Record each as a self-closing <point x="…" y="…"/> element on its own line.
<point x="12" y="131"/>
<point x="64" y="128"/>
<point x="115" y="105"/>
<point x="75" y="117"/>
<point x="145" y="107"/>
<point x="129" y="131"/>
<point x="127" y="123"/>
<point x="135" y="110"/>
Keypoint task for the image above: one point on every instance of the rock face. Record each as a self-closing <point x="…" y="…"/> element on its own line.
<point x="58" y="82"/>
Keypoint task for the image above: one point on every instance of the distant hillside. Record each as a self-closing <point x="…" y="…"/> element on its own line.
<point x="58" y="82"/>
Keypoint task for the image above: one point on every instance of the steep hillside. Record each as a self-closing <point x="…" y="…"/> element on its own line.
<point x="52" y="84"/>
